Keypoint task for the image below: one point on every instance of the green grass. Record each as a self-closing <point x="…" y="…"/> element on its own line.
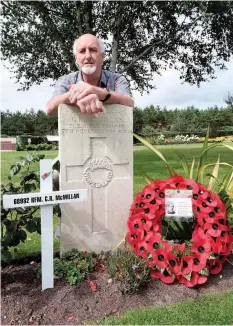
<point x="9" y="158"/>
<point x="144" y="159"/>
<point x="214" y="309"/>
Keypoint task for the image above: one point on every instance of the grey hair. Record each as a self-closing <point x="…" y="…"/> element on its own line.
<point x="101" y="43"/>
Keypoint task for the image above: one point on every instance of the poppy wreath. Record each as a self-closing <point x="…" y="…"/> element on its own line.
<point x="190" y="262"/>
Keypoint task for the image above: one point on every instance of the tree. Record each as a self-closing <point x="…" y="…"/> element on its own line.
<point x="229" y="100"/>
<point x="143" y="37"/>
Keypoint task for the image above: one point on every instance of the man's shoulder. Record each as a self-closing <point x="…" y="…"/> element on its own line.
<point x="112" y="74"/>
<point x="72" y="76"/>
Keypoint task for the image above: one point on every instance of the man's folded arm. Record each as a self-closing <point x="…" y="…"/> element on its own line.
<point x="54" y="102"/>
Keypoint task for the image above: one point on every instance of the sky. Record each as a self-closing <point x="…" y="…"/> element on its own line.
<point x="169" y="92"/>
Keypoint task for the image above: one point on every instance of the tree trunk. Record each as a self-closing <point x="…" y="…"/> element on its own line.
<point x="87" y="16"/>
<point x="116" y="36"/>
<point x="78" y="16"/>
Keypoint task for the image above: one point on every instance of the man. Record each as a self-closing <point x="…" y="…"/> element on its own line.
<point x="90" y="86"/>
<point x="170" y="208"/>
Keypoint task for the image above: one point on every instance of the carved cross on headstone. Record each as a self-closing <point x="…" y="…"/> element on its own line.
<point x="96" y="153"/>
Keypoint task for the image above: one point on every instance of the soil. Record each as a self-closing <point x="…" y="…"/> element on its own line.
<point x="23" y="302"/>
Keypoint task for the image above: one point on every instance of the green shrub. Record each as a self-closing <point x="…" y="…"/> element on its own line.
<point x="129" y="269"/>
<point x="21" y="142"/>
<point x="41" y="147"/>
<point x="16" y="221"/>
<point x="73" y="266"/>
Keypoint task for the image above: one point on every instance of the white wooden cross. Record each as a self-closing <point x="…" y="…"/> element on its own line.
<point x="46" y="198"/>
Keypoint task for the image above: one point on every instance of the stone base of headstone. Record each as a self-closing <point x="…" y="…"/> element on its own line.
<point x="96" y="152"/>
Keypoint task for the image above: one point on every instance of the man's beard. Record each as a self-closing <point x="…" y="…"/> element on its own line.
<point x="89" y="70"/>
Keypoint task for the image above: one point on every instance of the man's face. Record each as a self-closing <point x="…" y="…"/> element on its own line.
<point x="170" y="207"/>
<point x="88" y="54"/>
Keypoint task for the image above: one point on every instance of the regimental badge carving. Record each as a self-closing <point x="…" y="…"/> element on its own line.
<point x="98" y="171"/>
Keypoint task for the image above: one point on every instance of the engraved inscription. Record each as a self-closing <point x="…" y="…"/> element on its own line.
<point x="98" y="172"/>
<point x="103" y="123"/>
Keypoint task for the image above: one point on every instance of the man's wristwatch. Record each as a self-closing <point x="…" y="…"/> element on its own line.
<point x="107" y="96"/>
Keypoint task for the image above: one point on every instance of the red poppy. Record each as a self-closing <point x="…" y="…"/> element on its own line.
<point x="200" y="233"/>
<point x="192" y="184"/>
<point x="201" y="279"/>
<point x="173" y="263"/>
<point x="186" y="264"/>
<point x="154" y="242"/>
<point x="166" y="245"/>
<point x="214" y="229"/>
<point x="155" y="274"/>
<point x="227" y="246"/>
<point x="215" y="267"/>
<point x="135" y="226"/>
<point x="160" y="256"/>
<point x="179" y="248"/>
<point x="216" y="247"/>
<point x="149" y="194"/>
<point x="199" y="262"/>
<point x="190" y="283"/>
<point x="141" y="249"/>
<point x="146" y="222"/>
<point x="176" y="179"/>
<point x="222" y="258"/>
<point x="202" y="247"/>
<point x="167" y="278"/>
<point x="132" y="238"/>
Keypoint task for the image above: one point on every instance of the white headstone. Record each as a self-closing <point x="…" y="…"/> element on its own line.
<point x="96" y="152"/>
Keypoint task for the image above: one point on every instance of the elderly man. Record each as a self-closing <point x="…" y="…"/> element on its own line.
<point x="91" y="85"/>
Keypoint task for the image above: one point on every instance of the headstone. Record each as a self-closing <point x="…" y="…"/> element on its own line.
<point x="96" y="152"/>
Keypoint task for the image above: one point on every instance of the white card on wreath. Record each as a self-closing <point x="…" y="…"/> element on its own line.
<point x="178" y="205"/>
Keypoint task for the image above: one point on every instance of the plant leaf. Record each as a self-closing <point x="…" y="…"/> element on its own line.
<point x="183" y="161"/>
<point x="157" y="152"/>
<point x="147" y="178"/>
<point x="214" y="175"/>
<point x="202" y="169"/>
<point x="191" y="169"/>
<point x="227" y="180"/>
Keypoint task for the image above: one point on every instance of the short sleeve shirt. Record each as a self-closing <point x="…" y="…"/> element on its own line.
<point x="110" y="80"/>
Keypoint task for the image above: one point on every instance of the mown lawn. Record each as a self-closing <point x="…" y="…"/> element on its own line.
<point x="214" y="309"/>
<point x="144" y="160"/>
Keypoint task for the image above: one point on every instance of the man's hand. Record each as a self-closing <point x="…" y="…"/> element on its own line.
<point x="81" y="90"/>
<point x="90" y="104"/>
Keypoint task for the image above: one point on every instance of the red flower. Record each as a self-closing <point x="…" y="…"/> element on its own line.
<point x="227" y="246"/>
<point x="135" y="226"/>
<point x="216" y="267"/>
<point x="190" y="283"/>
<point x="155" y="274"/>
<point x="199" y="233"/>
<point x="146" y="222"/>
<point x="202" y="247"/>
<point x="173" y="263"/>
<point x="179" y="247"/>
<point x="132" y="238"/>
<point x="201" y="279"/>
<point x="160" y="256"/>
<point x="141" y="249"/>
<point x="214" y="229"/>
<point x="167" y="278"/>
<point x="149" y="194"/>
<point x="186" y="264"/>
<point x="154" y="242"/>
<point x="166" y="245"/>
<point x="199" y="262"/>
<point x="216" y="247"/>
